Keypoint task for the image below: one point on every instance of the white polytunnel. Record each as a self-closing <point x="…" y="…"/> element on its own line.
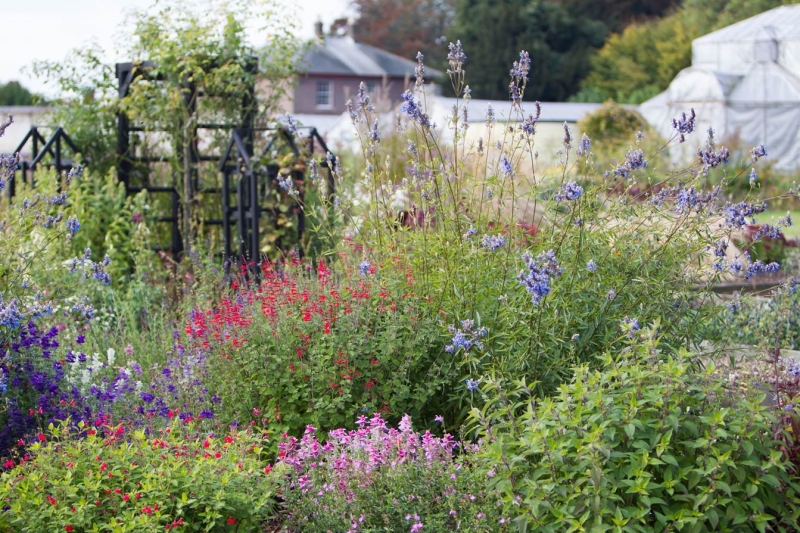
<point x="745" y="83"/>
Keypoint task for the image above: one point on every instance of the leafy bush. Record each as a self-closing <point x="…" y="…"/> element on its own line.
<point x="320" y="346"/>
<point x="643" y="444"/>
<point x="377" y="478"/>
<point x="768" y="323"/>
<point x="113" y="478"/>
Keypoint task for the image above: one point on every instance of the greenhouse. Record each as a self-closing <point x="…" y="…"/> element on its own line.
<point x="745" y="82"/>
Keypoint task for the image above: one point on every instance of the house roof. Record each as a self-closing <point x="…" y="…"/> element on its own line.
<point x="343" y="55"/>
<point x="783" y="23"/>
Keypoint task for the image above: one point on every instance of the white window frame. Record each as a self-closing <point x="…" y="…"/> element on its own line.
<point x="320" y="91"/>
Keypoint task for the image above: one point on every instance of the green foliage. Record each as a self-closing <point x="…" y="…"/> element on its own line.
<point x="765" y="322"/>
<point x="642" y="444"/>
<point x="120" y="479"/>
<point x="14" y="93"/>
<point x="322" y="349"/>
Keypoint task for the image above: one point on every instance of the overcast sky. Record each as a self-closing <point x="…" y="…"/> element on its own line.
<point x="47" y="29"/>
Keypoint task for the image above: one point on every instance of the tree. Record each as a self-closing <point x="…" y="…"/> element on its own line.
<point x="13" y="93"/>
<point x="404" y="27"/>
<point x="558" y="41"/>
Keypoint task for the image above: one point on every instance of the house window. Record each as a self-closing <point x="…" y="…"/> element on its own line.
<point x="324" y="98"/>
<point x="371" y="86"/>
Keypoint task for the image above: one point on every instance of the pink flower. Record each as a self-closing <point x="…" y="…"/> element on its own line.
<point x="416" y="527"/>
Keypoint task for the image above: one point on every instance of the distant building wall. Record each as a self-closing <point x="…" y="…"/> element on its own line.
<point x="24" y="118"/>
<point x="343" y="88"/>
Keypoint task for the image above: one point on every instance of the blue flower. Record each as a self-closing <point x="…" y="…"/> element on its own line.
<point x="505" y="166"/>
<point x="413" y="111"/>
<point x="591" y="266"/>
<point x="570" y="191"/>
<point x="493" y="242"/>
<point x="631" y="325"/>
<point x="456" y="58"/>
<point x="758" y="151"/>
<point x="472" y="385"/>
<point x="287" y="184"/>
<point x="684" y="125"/>
<point x="365" y="267"/>
<point x="584" y="146"/>
<point x="540" y="270"/>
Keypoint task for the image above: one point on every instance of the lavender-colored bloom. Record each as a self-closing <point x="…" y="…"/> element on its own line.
<point x="570" y="191"/>
<point x="287" y="184"/>
<point x="456" y="58"/>
<point x="10" y="315"/>
<point x="540" y="270"/>
<point x="757" y="267"/>
<point x="584" y="146"/>
<point x="758" y="151"/>
<point x="684" y="125"/>
<point x="514" y="95"/>
<point x="489" y="115"/>
<point x="591" y="266"/>
<point x="520" y="69"/>
<point x="374" y="133"/>
<point x="493" y="242"/>
<point x="472" y="385"/>
<point x="631" y="325"/>
<point x="470" y="233"/>
<point x="506" y="166"/>
<point x="419" y="70"/>
<point x="634" y="159"/>
<point x="413" y="111"/>
<point x="567" y="140"/>
<point x="713" y="158"/>
<point x="365" y="267"/>
<point x="737" y="215"/>
<point x="528" y="126"/>
<point x="466" y="337"/>
<point x="753" y="177"/>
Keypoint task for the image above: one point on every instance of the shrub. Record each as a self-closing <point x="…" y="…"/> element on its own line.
<point x="116" y="479"/>
<point x="643" y="444"/>
<point x="378" y="478"/>
<point x="320" y="346"/>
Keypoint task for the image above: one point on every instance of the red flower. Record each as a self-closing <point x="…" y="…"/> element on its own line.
<point x="268" y="469"/>
<point x="92" y="431"/>
<point x="206" y="444"/>
<point x="147" y="510"/>
<point x="51" y="500"/>
<point x="231" y="520"/>
<point x="69" y="528"/>
<point x="103" y="467"/>
<point x="217" y="455"/>
<point x="42" y="438"/>
<point x="9" y="464"/>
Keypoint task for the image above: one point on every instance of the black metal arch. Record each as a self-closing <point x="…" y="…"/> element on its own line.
<point x="127" y="73"/>
<point x="41" y="148"/>
<point x="250" y="185"/>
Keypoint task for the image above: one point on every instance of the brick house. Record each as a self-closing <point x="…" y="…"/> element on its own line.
<point x="334" y="66"/>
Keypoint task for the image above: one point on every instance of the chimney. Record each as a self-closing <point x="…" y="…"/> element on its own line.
<point x="318" y="31"/>
<point x="351" y="28"/>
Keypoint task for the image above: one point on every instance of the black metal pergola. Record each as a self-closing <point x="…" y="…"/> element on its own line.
<point x="246" y="180"/>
